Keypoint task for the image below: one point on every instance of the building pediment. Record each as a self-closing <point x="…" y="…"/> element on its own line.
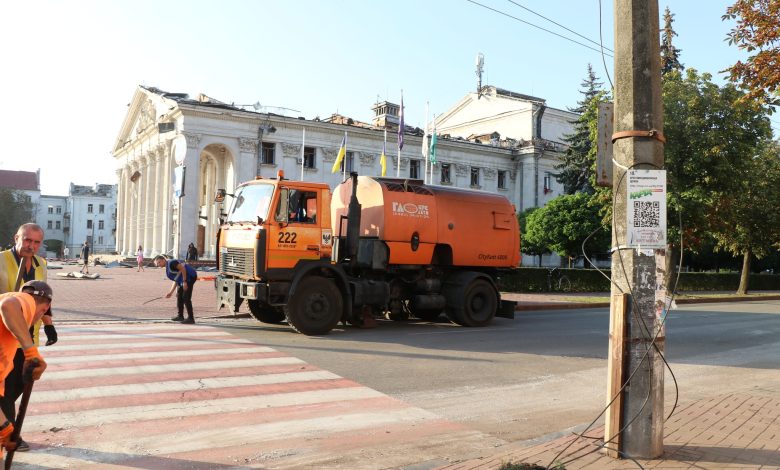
<point x="143" y="112"/>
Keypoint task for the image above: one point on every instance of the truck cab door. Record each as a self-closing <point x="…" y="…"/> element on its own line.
<point x="297" y="235"/>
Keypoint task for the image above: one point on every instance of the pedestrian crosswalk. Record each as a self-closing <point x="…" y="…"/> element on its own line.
<point x="170" y="396"/>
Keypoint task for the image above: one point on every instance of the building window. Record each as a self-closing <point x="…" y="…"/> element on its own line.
<point x="268" y="153"/>
<point x="309" y="157"/>
<point x="100" y="240"/>
<point x="51" y="210"/>
<point x="57" y="225"/>
<point x="89" y="223"/>
<point x="547" y="183"/>
<point x="101" y="208"/>
<point x="474" y="177"/>
<point x="502" y="180"/>
<point x="414" y="169"/>
<point x="100" y="225"/>
<point x="89" y="208"/>
<point x="59" y="209"/>
<point x="349" y="158"/>
<point x="48" y="224"/>
<point x="445" y="173"/>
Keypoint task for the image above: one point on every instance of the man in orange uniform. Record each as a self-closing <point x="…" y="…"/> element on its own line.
<point x="19" y="311"/>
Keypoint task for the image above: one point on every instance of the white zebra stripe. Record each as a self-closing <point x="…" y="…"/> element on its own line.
<point x="153" y="343"/>
<point x="181" y="385"/>
<point x="160" y="368"/>
<point x="89" y="357"/>
<point x="131" y="414"/>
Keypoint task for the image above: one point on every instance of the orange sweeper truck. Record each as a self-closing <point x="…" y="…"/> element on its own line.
<point x="374" y="246"/>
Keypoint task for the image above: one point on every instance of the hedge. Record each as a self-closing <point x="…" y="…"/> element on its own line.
<point x="591" y="280"/>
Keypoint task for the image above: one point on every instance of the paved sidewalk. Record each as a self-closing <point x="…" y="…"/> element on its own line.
<point x="734" y="431"/>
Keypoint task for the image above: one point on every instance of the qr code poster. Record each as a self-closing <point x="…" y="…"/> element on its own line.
<point x="646" y="211"/>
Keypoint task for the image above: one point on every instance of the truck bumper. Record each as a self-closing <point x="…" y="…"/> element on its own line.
<point x="232" y="292"/>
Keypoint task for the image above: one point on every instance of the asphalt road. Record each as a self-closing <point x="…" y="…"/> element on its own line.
<point x="542" y="373"/>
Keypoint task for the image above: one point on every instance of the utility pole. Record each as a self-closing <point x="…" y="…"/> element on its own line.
<point x="638" y="144"/>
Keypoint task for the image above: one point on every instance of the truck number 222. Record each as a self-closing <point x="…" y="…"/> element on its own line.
<point x="287" y="237"/>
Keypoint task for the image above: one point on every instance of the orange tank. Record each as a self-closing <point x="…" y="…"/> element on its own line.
<point x="419" y="221"/>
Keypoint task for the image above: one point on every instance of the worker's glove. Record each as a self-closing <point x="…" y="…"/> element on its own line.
<point x="5" y="436"/>
<point x="33" y="359"/>
<point x="51" y="334"/>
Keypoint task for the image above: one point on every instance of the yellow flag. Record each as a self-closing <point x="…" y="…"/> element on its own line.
<point x="341" y="154"/>
<point x="383" y="158"/>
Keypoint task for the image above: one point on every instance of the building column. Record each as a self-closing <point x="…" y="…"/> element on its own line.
<point x="139" y="204"/>
<point x="155" y="245"/>
<point x="148" y="219"/>
<point x="132" y="196"/>
<point x="190" y="203"/>
<point x="167" y="195"/>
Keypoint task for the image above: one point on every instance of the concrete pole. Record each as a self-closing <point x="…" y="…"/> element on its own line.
<point x="638" y="107"/>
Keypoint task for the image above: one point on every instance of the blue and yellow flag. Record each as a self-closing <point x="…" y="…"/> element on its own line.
<point x="383" y="157"/>
<point x="340" y="155"/>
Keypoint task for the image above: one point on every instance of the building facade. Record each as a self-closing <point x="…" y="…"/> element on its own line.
<point x="215" y="145"/>
<point x="90" y="216"/>
<point x="51" y="217"/>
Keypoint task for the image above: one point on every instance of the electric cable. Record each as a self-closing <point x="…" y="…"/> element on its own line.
<point x="601" y="44"/>
<point x="534" y="25"/>
<point x="560" y="25"/>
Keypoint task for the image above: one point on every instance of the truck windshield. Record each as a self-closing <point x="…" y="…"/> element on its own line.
<point x="251" y="201"/>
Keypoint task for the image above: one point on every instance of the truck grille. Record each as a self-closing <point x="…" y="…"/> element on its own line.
<point x="238" y="262"/>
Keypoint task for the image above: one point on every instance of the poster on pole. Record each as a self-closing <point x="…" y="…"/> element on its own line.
<point x="646" y="209"/>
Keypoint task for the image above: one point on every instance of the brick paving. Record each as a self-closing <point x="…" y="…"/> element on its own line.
<point x="120" y="293"/>
<point x="733" y="431"/>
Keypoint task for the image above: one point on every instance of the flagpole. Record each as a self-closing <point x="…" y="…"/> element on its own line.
<point x="432" y="152"/>
<point x="400" y="136"/>
<point x="425" y="145"/>
<point x="303" y="148"/>
<point x="344" y="162"/>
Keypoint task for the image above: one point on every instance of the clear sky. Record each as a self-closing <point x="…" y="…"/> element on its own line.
<point x="71" y="67"/>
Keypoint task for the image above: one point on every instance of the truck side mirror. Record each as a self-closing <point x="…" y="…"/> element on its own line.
<point x="283" y="215"/>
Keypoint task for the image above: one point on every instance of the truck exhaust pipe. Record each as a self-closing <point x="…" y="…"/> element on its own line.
<point x="353" y="220"/>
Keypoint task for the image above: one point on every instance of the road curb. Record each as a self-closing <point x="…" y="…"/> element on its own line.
<point x="552" y="305"/>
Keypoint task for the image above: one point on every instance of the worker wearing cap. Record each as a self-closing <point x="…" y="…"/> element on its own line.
<point x="18" y="265"/>
<point x="184" y="277"/>
<point x="19" y="311"/>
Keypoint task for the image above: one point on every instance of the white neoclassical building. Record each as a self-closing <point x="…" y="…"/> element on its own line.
<point x="495" y="141"/>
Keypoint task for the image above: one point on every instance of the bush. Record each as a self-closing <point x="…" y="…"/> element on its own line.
<point x="591" y="280"/>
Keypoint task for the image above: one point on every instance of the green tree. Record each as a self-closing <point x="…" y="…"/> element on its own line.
<point x="529" y="246"/>
<point x="747" y="212"/>
<point x="564" y="223"/>
<point x="710" y="134"/>
<point x="15" y="210"/>
<point x="670" y="55"/>
<point x="757" y="31"/>
<point x="576" y="171"/>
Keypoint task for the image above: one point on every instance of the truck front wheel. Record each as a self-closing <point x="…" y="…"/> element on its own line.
<point x="316" y="306"/>
<point x="266" y="313"/>
<point x="479" y="305"/>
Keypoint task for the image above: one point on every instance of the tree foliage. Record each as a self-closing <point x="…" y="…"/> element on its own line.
<point x="576" y="171"/>
<point x="564" y="223"/>
<point x="757" y="31"/>
<point x="747" y="214"/>
<point x="670" y="55"/>
<point x="15" y="210"/>
<point x="530" y="246"/>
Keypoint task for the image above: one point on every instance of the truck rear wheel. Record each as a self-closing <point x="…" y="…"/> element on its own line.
<point x="266" y="313"/>
<point x="479" y="305"/>
<point x="316" y="306"/>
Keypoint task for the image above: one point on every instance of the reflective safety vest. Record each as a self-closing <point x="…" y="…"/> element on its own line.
<point x="8" y="272"/>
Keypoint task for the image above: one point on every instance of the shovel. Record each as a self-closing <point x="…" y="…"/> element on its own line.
<point x="28" y="385"/>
